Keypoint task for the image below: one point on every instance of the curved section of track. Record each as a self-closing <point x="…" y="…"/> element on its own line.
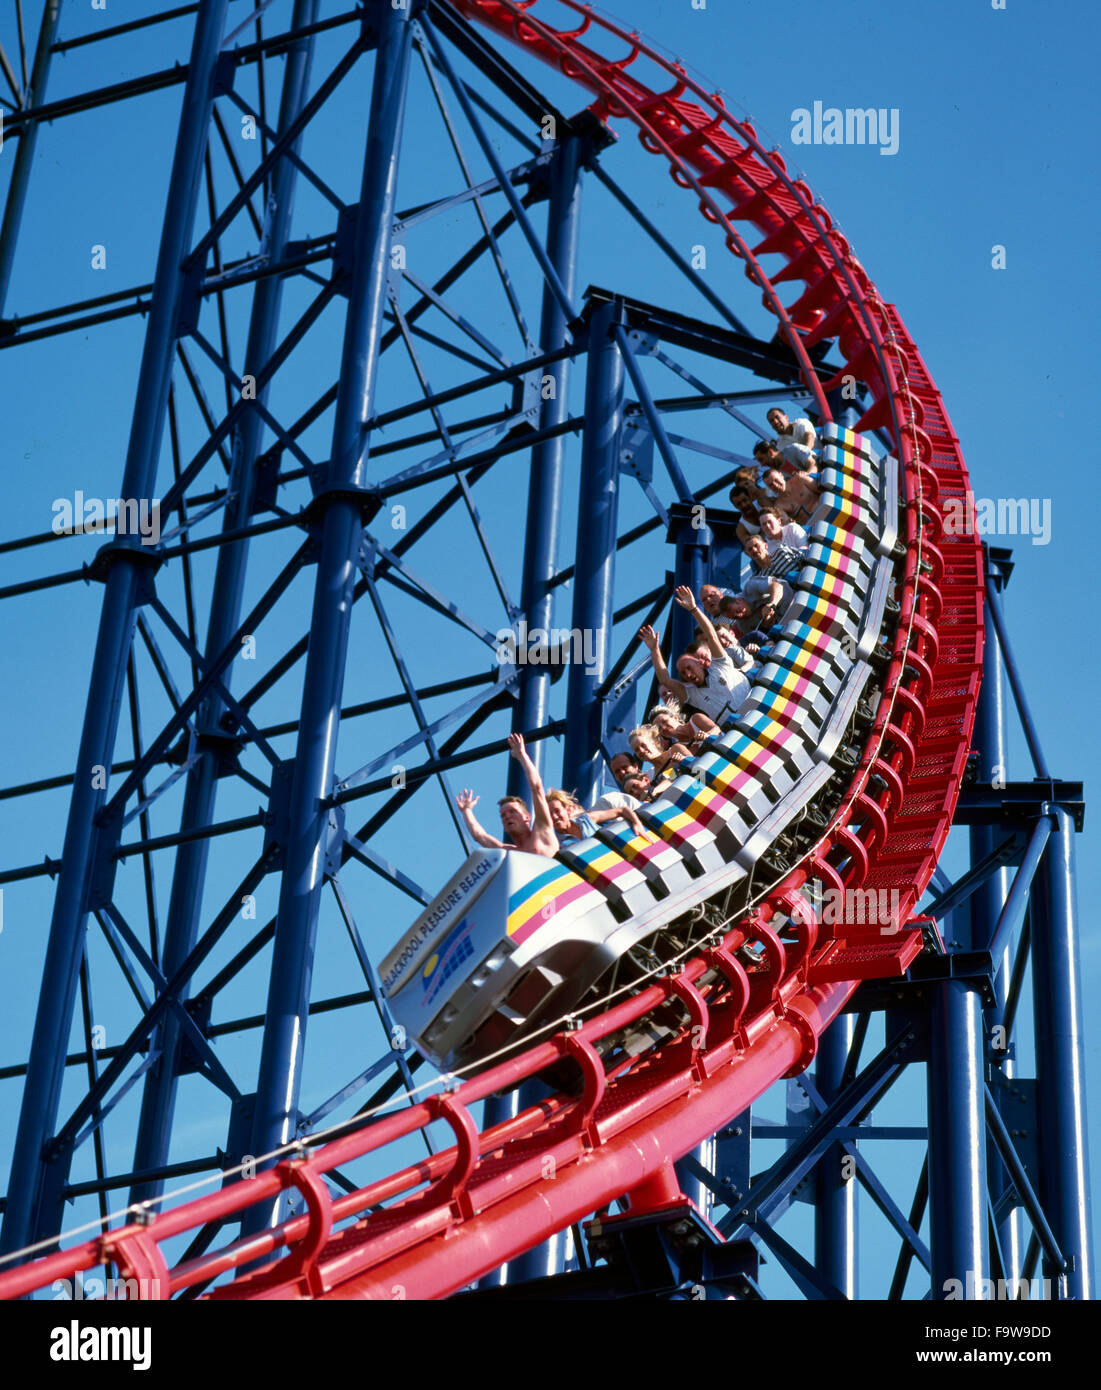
<point x="460" y="1213"/>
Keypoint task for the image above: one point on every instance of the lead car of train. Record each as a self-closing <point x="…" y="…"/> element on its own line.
<point x="515" y="941"/>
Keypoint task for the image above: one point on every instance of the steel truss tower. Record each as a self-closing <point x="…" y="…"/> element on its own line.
<point x="374" y="449"/>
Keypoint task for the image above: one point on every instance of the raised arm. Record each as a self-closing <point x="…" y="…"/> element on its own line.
<point x="650" y="639"/>
<point x="541" y="824"/>
<point x="466" y="801"/>
<point x="687" y="599"/>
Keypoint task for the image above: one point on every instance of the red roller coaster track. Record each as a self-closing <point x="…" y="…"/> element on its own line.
<point x="496" y="1193"/>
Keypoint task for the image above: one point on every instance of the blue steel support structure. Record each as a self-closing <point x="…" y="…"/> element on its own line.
<point x="547" y="458"/>
<point x="181" y="928"/>
<point x="688" y="528"/>
<point x="540" y="564"/>
<point x="959" y="1235"/>
<point x="32" y="1209"/>
<point x="692" y="538"/>
<point x="835" y="1228"/>
<point x="957" y="1139"/>
<point x="592" y="611"/>
<point x="989" y="742"/>
<point x="1060" y="1071"/>
<point x="836" y="1189"/>
<point x="1054" y="1197"/>
<point x="598" y="507"/>
<point x="341" y="506"/>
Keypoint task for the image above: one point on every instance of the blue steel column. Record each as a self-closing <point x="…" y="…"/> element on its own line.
<point x="545" y="487"/>
<point x="835" y="1196"/>
<point x="691" y="567"/>
<point x="1061" y="1082"/>
<point x="986" y="903"/>
<point x="957" y="1140"/>
<point x="181" y="928"/>
<point x="24" y="1219"/>
<point x="24" y="154"/>
<point x="341" y="532"/>
<point x="536" y="596"/>
<point x="693" y="1186"/>
<point x="597" y="515"/>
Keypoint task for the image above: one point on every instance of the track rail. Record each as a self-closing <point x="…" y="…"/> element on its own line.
<point x="460" y="1213"/>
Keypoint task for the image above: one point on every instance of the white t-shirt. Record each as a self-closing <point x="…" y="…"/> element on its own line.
<point x="726" y="688"/>
<point x="617" y="801"/>
<point x="791" y="535"/>
<point x="798" y="446"/>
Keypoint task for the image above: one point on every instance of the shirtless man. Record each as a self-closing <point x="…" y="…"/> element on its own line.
<point x="797" y="496"/>
<point x="534" y="837"/>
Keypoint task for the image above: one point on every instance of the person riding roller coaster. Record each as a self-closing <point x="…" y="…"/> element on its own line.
<point x="796" y="495"/>
<point x="572" y="822"/>
<point x="770" y="586"/>
<point x="796" y="439"/>
<point x="536" y="836"/>
<point x="555" y="813"/>
<point x="663" y="756"/>
<point x="710" y="680"/>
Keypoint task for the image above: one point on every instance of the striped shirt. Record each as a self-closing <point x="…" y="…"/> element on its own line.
<point x="781" y="561"/>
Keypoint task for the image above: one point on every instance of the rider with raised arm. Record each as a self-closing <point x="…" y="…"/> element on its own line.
<point x="533" y="836"/>
<point x="710" y="680"/>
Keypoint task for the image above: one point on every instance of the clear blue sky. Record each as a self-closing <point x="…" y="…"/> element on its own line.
<point x="995" y="149"/>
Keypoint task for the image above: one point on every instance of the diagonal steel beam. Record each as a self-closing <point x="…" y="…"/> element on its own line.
<point x="24" y="155"/>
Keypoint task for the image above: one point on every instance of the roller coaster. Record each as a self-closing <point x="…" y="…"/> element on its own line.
<point x="869" y="731"/>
